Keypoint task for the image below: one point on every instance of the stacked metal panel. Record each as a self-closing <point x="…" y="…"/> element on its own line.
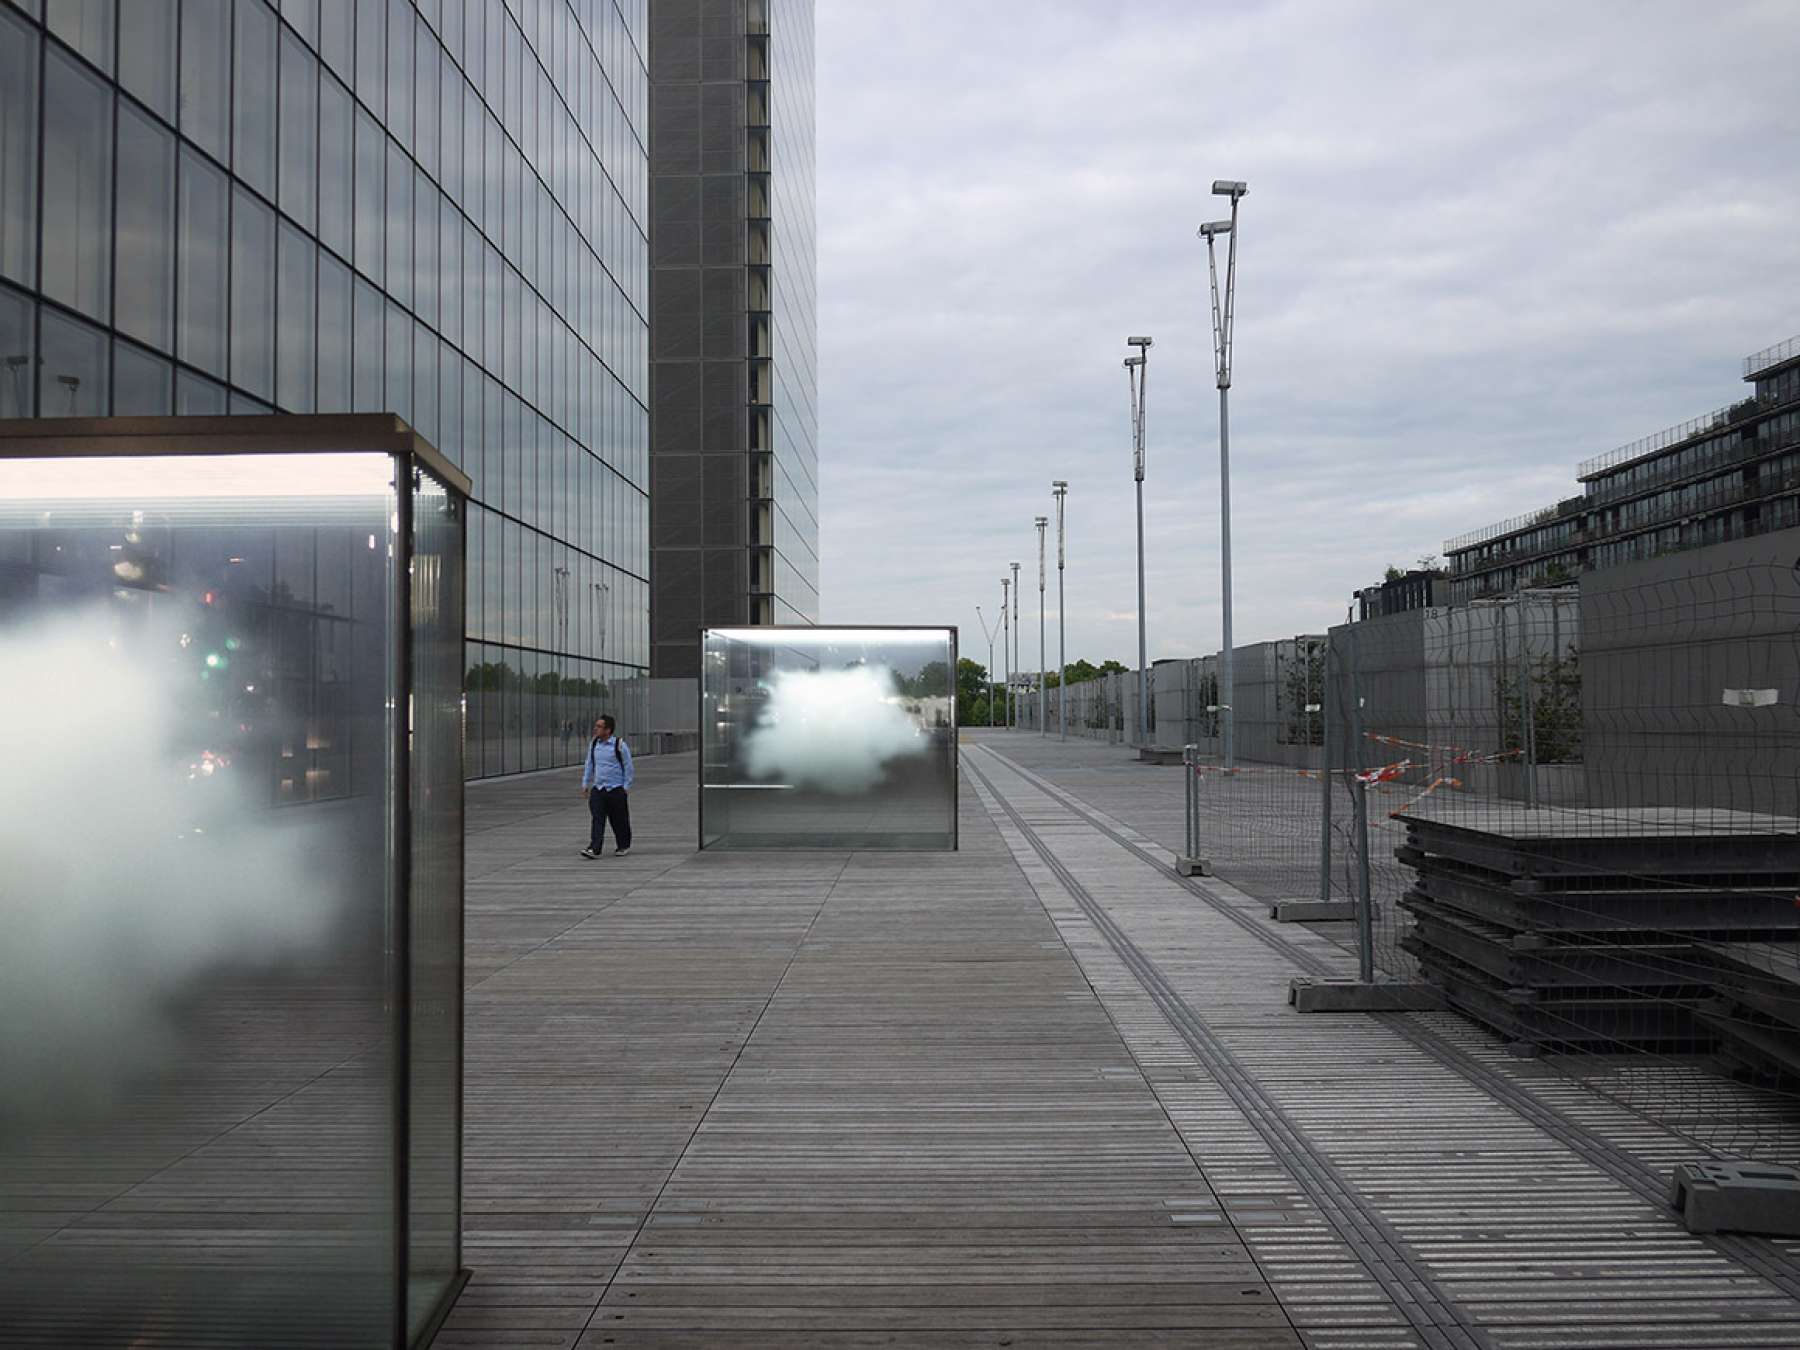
<point x="1598" y="930"/>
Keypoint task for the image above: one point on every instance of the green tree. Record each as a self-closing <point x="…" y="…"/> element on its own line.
<point x="971" y="693"/>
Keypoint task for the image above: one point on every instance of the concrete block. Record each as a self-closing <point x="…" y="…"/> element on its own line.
<point x="1310" y="993"/>
<point x="1149" y="754"/>
<point x="1312" y="911"/>
<point x="1738" y="1197"/>
<point x="1193" y="867"/>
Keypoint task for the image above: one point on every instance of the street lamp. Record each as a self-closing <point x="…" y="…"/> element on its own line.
<point x="1222" y="321"/>
<point x="1006" y="651"/>
<point x="1059" y="488"/>
<point x="1042" y="523"/>
<point x="988" y="628"/>
<point x="1137" y="370"/>
<point x="1011" y="707"/>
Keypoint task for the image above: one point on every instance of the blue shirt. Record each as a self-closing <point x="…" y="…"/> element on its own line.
<point x="603" y="768"/>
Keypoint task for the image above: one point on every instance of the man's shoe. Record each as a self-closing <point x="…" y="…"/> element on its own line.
<point x="589" y="853"/>
<point x="620" y="852"/>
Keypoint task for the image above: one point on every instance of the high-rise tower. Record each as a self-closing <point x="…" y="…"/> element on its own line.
<point x="733" y="347"/>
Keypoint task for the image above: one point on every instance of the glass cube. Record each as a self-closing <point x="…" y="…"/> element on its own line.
<point x="828" y="738"/>
<point x="231" y="874"/>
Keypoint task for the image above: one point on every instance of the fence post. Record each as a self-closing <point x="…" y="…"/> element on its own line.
<point x="1325" y="774"/>
<point x="1187" y="779"/>
<point x="1365" y="914"/>
<point x="1527" y="755"/>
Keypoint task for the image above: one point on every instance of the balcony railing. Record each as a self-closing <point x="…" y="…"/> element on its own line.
<point x="1758" y="362"/>
<point x="1717" y="420"/>
<point x="1511" y="525"/>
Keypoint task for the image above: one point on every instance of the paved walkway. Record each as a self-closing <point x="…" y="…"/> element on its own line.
<point x="1038" y="1092"/>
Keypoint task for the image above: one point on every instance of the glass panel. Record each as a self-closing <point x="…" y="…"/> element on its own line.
<point x="206" y="74"/>
<point x="436" y="910"/>
<point x="253" y="141"/>
<point x="143" y="383"/>
<point x="399" y="220"/>
<point x="370" y="346"/>
<point x="425" y="248"/>
<point x="211" y="1047"/>
<point x="17" y="345"/>
<point x="18" y="149"/>
<point x="371" y="153"/>
<point x="425" y="380"/>
<point x="252" y="295"/>
<point x="337" y="38"/>
<point x="337" y="157"/>
<point x="77" y="262"/>
<point x="295" y="304"/>
<point x="200" y="313"/>
<point x="144" y="300"/>
<point x="425" y="124"/>
<point x="87" y="26"/>
<point x="197" y="396"/>
<point x="304" y="15"/>
<point x="399" y="362"/>
<point x="828" y="738"/>
<point x="334" y="335"/>
<point x="371" y="50"/>
<point x="147" y="37"/>
<point x="399" y="71"/>
<point x="299" y="130"/>
<point x="72" y="374"/>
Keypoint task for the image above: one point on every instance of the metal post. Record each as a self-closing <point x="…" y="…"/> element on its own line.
<point x="1527" y="755"/>
<point x="987" y="628"/>
<point x="1187" y="778"/>
<point x="1325" y="775"/>
<point x="1011" y="703"/>
<point x="1223" y="315"/>
<point x="1137" y="370"/>
<point x="1042" y="522"/>
<point x="1059" y="488"/>
<point x="1005" y="654"/>
<point x="1365" y="925"/>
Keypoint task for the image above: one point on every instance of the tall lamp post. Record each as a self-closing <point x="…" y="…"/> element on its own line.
<point x="1012" y="707"/>
<point x="1137" y="370"/>
<point x="1059" y="488"/>
<point x="1006" y="652"/>
<point x="988" y="628"/>
<point x="1042" y="523"/>
<point x="1222" y="320"/>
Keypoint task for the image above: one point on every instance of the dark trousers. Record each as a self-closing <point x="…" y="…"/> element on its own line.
<point x="609" y="807"/>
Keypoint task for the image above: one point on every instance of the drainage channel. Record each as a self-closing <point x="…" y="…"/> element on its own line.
<point x="1759" y="1258"/>
<point x="1433" y="1312"/>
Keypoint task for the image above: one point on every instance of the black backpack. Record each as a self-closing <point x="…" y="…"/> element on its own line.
<point x="618" y="749"/>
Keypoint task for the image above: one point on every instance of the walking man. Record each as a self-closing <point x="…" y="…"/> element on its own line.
<point x="605" y="779"/>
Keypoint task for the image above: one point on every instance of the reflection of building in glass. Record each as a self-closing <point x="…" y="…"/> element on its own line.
<point x="1730" y="474"/>
<point x="363" y="206"/>
<point x="734" y="458"/>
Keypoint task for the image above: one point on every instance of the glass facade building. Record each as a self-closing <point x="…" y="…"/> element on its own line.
<point x="436" y="209"/>
<point x="733" y="364"/>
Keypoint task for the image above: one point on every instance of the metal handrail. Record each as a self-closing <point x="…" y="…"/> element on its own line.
<point x="1500" y="527"/>
<point x="1771" y="356"/>
<point x="1716" y="420"/>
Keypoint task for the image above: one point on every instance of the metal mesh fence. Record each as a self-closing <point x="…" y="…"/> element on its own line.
<point x="1574" y="813"/>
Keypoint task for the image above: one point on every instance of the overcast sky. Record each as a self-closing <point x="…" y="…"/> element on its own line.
<point x="1481" y="244"/>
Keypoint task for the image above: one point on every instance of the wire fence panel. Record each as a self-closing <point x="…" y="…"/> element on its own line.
<point x="1575" y="812"/>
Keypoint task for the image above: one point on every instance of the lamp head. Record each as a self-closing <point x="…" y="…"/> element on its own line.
<point x="1139" y="342"/>
<point x="1040" y="521"/>
<point x="1214" y="227"/>
<point x="1132" y="361"/>
<point x="1230" y="187"/>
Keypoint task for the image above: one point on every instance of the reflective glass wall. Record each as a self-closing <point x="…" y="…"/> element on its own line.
<point x="435" y="209"/>
<point x="223" y="987"/>
<point x="828" y="738"/>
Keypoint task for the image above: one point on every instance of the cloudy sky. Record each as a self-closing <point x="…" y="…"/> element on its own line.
<point x="1481" y="244"/>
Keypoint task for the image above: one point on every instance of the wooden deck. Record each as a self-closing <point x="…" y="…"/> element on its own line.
<point x="1037" y="1092"/>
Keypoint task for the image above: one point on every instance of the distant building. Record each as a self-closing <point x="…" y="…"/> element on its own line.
<point x="734" y="532"/>
<point x="1731" y="474"/>
<point x="1420" y="588"/>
